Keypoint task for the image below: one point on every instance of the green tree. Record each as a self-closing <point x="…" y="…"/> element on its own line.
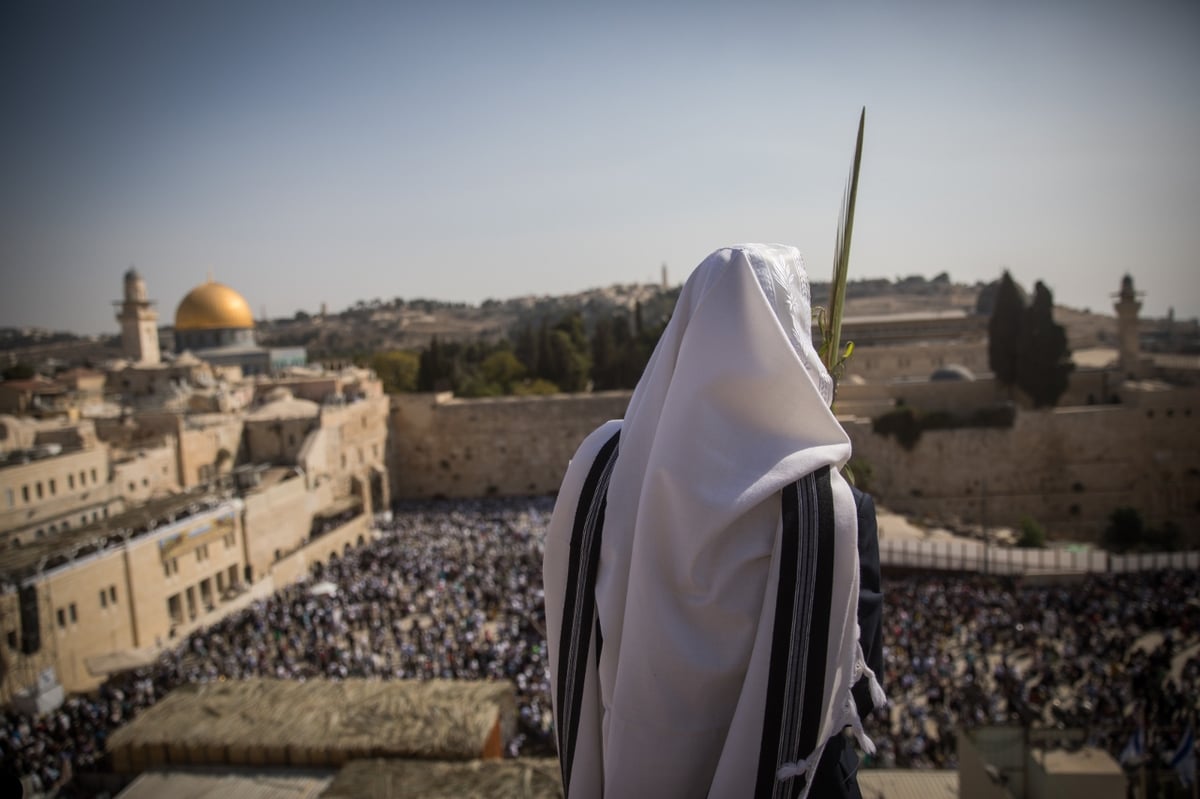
<point x="1043" y="357"/>
<point x="1125" y="530"/>
<point x="1033" y="535"/>
<point x="566" y="365"/>
<point x="566" y="361"/>
<point x="1004" y="330"/>
<point x="605" y="356"/>
<point x="18" y="371"/>
<point x="434" y="371"/>
<point x="502" y="369"/>
<point x="526" y="349"/>
<point x="397" y="369"/>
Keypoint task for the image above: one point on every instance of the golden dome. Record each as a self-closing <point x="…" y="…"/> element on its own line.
<point x="213" y="306"/>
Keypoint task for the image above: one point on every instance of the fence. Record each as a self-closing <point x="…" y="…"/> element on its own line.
<point x="973" y="556"/>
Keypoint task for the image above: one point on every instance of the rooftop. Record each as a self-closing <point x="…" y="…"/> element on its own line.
<point x="318" y="723"/>
<point x="908" y="784"/>
<point x="28" y="559"/>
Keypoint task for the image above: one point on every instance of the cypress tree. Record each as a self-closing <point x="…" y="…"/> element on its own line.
<point x="1043" y="357"/>
<point x="1004" y="330"/>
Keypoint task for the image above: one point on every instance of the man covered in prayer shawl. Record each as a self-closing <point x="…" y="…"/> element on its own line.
<point x="712" y="628"/>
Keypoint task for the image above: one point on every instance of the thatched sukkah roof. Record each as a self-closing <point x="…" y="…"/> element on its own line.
<point x="318" y="723"/>
<point x="524" y="778"/>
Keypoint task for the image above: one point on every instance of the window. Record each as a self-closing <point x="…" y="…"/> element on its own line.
<point x="95" y="479"/>
<point x="82" y="478"/>
<point x="8" y="493"/>
<point x="71" y="612"/>
<point x="53" y="487"/>
<point x="12" y="639"/>
<point x="71" y="481"/>
<point x="112" y="594"/>
<point x="103" y="598"/>
<point x="24" y="493"/>
<point x="39" y="490"/>
<point x="145" y="482"/>
<point x="175" y="609"/>
<point x="62" y="617"/>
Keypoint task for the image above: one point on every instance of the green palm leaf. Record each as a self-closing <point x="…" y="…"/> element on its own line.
<point x="831" y="323"/>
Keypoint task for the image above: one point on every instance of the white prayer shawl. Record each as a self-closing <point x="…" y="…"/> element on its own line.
<point x="698" y="670"/>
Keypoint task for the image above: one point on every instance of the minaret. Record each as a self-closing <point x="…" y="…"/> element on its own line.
<point x="1127" y="309"/>
<point x="664" y="276"/>
<point x="139" y="322"/>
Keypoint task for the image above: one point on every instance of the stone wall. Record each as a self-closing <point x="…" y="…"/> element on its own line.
<point x="509" y="446"/>
<point x="1067" y="468"/>
<point x="277" y="520"/>
<point x="336" y="543"/>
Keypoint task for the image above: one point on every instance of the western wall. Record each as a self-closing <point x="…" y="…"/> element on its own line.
<point x="442" y="446"/>
<point x="1067" y="468"/>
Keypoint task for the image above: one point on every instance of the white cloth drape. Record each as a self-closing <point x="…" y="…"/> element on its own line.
<point x="733" y="406"/>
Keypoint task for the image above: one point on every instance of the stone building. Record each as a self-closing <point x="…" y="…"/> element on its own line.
<point x="210" y="479"/>
<point x="56" y="479"/>
<point x="139" y="322"/>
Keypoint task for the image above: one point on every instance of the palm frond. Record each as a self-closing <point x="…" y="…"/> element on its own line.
<point x="830" y="323"/>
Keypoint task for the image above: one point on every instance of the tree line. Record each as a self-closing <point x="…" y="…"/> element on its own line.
<point x="544" y="356"/>
<point x="1027" y="349"/>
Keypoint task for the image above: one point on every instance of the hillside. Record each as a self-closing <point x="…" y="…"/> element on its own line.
<point x="374" y="325"/>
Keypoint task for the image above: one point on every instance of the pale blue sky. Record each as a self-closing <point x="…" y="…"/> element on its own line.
<point x="309" y="152"/>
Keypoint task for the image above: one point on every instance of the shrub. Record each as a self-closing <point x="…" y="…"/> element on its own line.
<point x="1033" y="535"/>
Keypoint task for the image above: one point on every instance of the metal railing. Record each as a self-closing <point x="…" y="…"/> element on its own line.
<point x="973" y="556"/>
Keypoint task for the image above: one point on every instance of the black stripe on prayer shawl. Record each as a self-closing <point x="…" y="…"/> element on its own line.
<point x="800" y="637"/>
<point x="579" y="604"/>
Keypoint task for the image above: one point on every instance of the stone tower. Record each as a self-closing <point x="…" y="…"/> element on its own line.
<point x="1127" y="307"/>
<point x="139" y="322"/>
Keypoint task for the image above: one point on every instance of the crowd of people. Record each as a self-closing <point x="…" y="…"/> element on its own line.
<point x="453" y="590"/>
<point x="1101" y="656"/>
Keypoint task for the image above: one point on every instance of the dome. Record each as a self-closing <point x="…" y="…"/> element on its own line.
<point x="952" y="371"/>
<point x="213" y="306"/>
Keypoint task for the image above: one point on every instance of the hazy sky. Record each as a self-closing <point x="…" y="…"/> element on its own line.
<point x="309" y="152"/>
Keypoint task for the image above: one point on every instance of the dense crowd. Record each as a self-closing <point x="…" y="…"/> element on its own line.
<point x="454" y="590"/>
<point x="1100" y="655"/>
